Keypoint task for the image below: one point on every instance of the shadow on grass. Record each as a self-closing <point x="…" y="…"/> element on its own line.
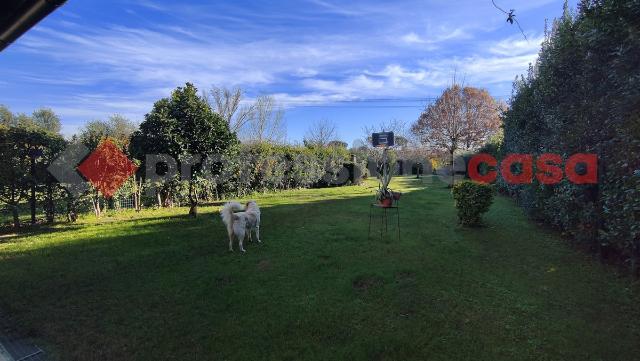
<point x="60" y="290"/>
<point x="10" y="233"/>
<point x="316" y="288"/>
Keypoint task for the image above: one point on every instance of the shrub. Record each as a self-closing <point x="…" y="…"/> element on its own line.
<point x="472" y="200"/>
<point x="596" y="52"/>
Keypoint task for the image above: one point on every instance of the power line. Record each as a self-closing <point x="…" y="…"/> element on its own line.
<point x="357" y="106"/>
<point x="361" y="100"/>
<point x="418" y="103"/>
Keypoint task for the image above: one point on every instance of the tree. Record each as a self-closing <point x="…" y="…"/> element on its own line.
<point x="117" y="128"/>
<point x="398" y="127"/>
<point x="55" y="145"/>
<point x="6" y="117"/>
<point x="338" y="144"/>
<point x="24" y="156"/>
<point x="581" y="96"/>
<point x="181" y="126"/>
<point x="260" y="121"/>
<point x="265" y="122"/>
<point x="461" y="118"/>
<point x="46" y="119"/>
<point x="23" y="120"/>
<point x="14" y="178"/>
<point x="120" y="130"/>
<point x="320" y="133"/>
<point x="227" y="104"/>
<point x="43" y="118"/>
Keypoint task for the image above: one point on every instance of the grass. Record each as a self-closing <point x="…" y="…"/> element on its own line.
<point x="160" y="286"/>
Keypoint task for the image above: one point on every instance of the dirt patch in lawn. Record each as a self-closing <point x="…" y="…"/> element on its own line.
<point x="366" y="283"/>
<point x="264" y="265"/>
<point x="405" y="276"/>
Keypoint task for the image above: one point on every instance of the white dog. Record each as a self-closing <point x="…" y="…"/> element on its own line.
<point x="241" y="224"/>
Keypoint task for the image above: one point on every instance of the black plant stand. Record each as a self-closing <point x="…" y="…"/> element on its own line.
<point x="384" y="219"/>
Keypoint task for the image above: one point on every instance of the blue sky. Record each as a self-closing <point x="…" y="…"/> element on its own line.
<point x="91" y="59"/>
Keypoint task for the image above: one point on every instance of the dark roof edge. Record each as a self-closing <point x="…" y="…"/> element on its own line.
<point x="24" y="18"/>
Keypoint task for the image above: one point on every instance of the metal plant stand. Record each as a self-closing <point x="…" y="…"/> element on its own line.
<point x="384" y="219"/>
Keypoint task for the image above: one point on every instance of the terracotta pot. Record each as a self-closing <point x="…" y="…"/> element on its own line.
<point x="386" y="202"/>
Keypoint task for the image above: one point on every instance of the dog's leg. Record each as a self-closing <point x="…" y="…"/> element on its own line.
<point x="230" y="242"/>
<point x="250" y="237"/>
<point x="241" y="238"/>
<point x="258" y="233"/>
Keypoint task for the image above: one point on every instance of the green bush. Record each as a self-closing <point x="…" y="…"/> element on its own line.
<point x="582" y="96"/>
<point x="472" y="200"/>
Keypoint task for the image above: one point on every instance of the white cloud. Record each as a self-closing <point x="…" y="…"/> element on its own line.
<point x="492" y="64"/>
<point x="352" y="86"/>
<point x="150" y="59"/>
<point x="324" y="65"/>
<point x="482" y="70"/>
<point x="516" y="45"/>
<point x="306" y="72"/>
<point x="412" y="38"/>
<point x="432" y="40"/>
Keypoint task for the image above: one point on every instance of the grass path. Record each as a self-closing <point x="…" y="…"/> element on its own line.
<point x="161" y="286"/>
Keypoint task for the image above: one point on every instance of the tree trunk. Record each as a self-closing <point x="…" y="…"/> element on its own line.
<point x="453" y="174"/>
<point x="168" y="199"/>
<point x="634" y="260"/>
<point x="193" y="202"/>
<point x="32" y="197"/>
<point x="16" y="215"/>
<point x="50" y="205"/>
<point x="96" y="204"/>
<point x="32" y="204"/>
<point x="193" y="210"/>
<point x="72" y="216"/>
<point x="137" y="195"/>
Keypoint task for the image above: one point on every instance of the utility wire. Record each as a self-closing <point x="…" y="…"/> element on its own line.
<point x="418" y="103"/>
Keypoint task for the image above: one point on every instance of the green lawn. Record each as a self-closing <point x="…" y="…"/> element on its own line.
<point x="161" y="286"/>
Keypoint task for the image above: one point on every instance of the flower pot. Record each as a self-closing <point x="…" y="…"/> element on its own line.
<point x="396" y="196"/>
<point x="386" y="202"/>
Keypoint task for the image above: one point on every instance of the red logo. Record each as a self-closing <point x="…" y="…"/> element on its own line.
<point x="107" y="168"/>
<point x="548" y="166"/>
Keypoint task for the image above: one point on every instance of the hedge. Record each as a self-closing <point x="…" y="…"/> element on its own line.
<point x="472" y="200"/>
<point x="583" y="96"/>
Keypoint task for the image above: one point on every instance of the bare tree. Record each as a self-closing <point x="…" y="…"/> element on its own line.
<point x="398" y="127"/>
<point x="320" y="133"/>
<point x="265" y="122"/>
<point x="227" y="103"/>
<point x="461" y="118"/>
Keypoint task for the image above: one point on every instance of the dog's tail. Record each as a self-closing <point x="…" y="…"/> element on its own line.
<point x="227" y="214"/>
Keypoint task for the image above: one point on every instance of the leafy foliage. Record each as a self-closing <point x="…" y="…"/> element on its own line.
<point x="24" y="155"/>
<point x="582" y="96"/>
<point x="268" y="167"/>
<point x="472" y="200"/>
<point x="462" y="118"/>
<point x="117" y="129"/>
<point x="182" y="126"/>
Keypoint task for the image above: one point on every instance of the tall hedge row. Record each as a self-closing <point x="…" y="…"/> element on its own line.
<point x="583" y="96"/>
<point x="265" y="166"/>
<point x="257" y="168"/>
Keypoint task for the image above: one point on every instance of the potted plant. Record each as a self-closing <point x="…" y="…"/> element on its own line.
<point x="385" y="196"/>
